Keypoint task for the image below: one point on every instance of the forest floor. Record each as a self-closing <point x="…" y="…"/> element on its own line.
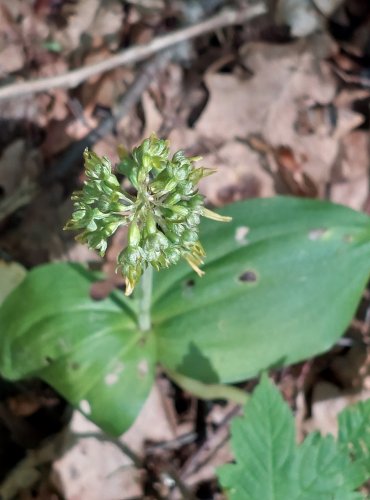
<point x="279" y="104"/>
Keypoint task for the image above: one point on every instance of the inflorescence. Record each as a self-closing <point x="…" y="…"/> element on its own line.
<point x="163" y="216"/>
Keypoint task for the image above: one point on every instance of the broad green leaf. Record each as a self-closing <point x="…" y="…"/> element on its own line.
<point x="90" y="351"/>
<point x="11" y="274"/>
<point x="270" y="466"/>
<point x="282" y="283"/>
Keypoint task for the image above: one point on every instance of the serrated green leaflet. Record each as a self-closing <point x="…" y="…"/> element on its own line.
<point x="270" y="466"/>
<point x="90" y="351"/>
<point x="282" y="283"/>
<point x="354" y="437"/>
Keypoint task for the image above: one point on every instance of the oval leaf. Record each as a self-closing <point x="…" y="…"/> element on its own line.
<point x="89" y="351"/>
<point x="282" y="283"/>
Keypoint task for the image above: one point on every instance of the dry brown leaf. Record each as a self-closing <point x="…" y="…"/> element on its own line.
<point x="79" y="23"/>
<point x="17" y="162"/>
<point x="350" y="170"/>
<point x="352" y="193"/>
<point x="291" y="171"/>
<point x="286" y="80"/>
<point x="96" y="469"/>
<point x="328" y="402"/>
<point x="267" y="102"/>
<point x="90" y="17"/>
<point x="238" y="175"/>
<point x="153" y="117"/>
<point x="12" y="58"/>
<point x="353" y="160"/>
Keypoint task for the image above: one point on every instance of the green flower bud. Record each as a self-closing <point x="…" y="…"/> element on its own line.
<point x="163" y="187"/>
<point x="189" y="237"/>
<point x="133" y="235"/>
<point x="151" y="225"/>
<point x="130" y="255"/>
<point x="173" y="198"/>
<point x="185" y="188"/>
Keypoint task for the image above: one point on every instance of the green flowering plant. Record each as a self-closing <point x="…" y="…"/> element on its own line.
<point x="162" y="217"/>
<point x="271" y="273"/>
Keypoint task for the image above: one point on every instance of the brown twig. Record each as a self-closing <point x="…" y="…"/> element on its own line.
<point x="71" y="157"/>
<point x="132" y="54"/>
<point x="146" y="74"/>
<point x="209" y="446"/>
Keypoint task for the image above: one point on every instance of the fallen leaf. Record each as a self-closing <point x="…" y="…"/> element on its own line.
<point x="16" y="163"/>
<point x="95" y="468"/>
<point x="153" y="117"/>
<point x="12" y="59"/>
<point x="292" y="173"/>
<point x="238" y="175"/>
<point x="287" y="79"/>
<point x="328" y="402"/>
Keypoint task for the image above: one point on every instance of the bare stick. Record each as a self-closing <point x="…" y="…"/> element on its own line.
<point x="133" y="54"/>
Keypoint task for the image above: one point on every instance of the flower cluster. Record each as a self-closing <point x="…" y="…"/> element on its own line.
<point x="163" y="217"/>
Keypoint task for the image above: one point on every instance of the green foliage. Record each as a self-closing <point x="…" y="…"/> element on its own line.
<point x="270" y="465"/>
<point x="90" y="351"/>
<point x="163" y="216"/>
<point x="283" y="281"/>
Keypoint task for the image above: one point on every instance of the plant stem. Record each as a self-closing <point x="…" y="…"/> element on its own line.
<point x="208" y="391"/>
<point x="145" y="299"/>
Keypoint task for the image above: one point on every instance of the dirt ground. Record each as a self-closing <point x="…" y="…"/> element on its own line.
<point x="278" y="102"/>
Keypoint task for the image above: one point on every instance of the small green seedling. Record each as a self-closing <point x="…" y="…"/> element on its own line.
<point x="282" y="281"/>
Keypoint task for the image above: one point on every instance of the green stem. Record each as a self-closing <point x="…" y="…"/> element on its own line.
<point x="145" y="299"/>
<point x="208" y="391"/>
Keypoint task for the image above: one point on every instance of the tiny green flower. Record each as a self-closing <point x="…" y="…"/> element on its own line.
<point x="163" y="217"/>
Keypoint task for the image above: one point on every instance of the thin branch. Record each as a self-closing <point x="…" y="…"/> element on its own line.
<point x="132" y="54"/>
<point x="144" y="77"/>
<point x="71" y="157"/>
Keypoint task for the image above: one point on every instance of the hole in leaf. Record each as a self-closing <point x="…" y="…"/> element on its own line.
<point x="317" y="234"/>
<point x="188" y="288"/>
<point x="111" y="378"/>
<point x="241" y="233"/>
<point x="249" y="276"/>
<point x="48" y="360"/>
<point x="143" y="368"/>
